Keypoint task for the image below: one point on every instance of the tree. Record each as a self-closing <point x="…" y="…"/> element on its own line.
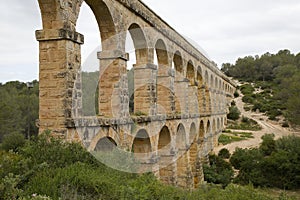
<point x="268" y="144"/>
<point x="234" y="113"/>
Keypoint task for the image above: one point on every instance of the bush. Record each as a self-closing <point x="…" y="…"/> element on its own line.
<point x="13" y="141"/>
<point x="285" y="124"/>
<point x="273" y="164"/>
<point x="247" y="89"/>
<point x="218" y="171"/>
<point x="234" y="113"/>
<point x="236" y="94"/>
<point x="224" y="153"/>
<point x="248" y="99"/>
<point x="55" y="152"/>
<point x="268" y="144"/>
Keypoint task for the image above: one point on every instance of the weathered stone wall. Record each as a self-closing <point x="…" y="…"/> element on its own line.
<point x="178" y="112"/>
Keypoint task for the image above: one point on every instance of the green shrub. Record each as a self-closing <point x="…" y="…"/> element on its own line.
<point x="236" y="94"/>
<point x="55" y="152"/>
<point x="218" y="171"/>
<point x="13" y="141"/>
<point x="248" y="99"/>
<point x="234" y="113"/>
<point x="273" y="164"/>
<point x="247" y="89"/>
<point x="268" y="145"/>
<point x="224" y="153"/>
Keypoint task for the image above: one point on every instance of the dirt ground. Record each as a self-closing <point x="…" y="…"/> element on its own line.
<point x="268" y="127"/>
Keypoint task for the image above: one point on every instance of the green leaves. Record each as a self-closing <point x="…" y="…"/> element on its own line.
<point x="273" y="164"/>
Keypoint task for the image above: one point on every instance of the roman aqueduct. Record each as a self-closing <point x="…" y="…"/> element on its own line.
<point x="178" y="107"/>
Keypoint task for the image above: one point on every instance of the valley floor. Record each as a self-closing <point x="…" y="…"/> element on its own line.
<point x="268" y="127"/>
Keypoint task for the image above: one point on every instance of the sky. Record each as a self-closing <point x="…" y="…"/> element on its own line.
<point x="226" y="30"/>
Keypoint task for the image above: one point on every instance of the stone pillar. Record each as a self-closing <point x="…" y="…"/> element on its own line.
<point x="165" y="92"/>
<point x="193" y="99"/>
<point x="184" y="174"/>
<point x="59" y="66"/>
<point x="113" y="97"/>
<point x="181" y="98"/>
<point x="167" y="167"/>
<point x="145" y="88"/>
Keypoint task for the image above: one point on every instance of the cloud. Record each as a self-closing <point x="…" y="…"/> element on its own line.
<point x="226" y="30"/>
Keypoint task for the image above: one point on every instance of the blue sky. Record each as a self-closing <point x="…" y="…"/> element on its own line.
<point x="226" y="30"/>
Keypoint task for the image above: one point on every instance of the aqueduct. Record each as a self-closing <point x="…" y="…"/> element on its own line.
<point x="179" y="105"/>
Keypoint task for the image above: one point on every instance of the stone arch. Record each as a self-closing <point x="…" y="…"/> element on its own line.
<point x="208" y="129"/>
<point x="182" y="156"/>
<point x="106" y="24"/>
<point x="193" y="152"/>
<point x="141" y="145"/>
<point x="190" y="73"/>
<point x="201" y="131"/>
<point x="178" y="65"/>
<point x="162" y="57"/>
<point x="164" y="141"/>
<point x="213" y="134"/>
<point x="166" y="165"/>
<point x="199" y="77"/>
<point x="200" y="91"/>
<point x="206" y="78"/>
<point x="201" y="140"/>
<point x="165" y="93"/>
<point x="181" y="137"/>
<point x="193" y="133"/>
<point x="140" y="43"/>
<point x="211" y="81"/>
<point x="133" y="75"/>
<point x="214" y="126"/>
<point x="105" y="144"/>
<point x="178" y="83"/>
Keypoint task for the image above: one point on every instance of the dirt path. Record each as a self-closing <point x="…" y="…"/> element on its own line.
<point x="267" y="125"/>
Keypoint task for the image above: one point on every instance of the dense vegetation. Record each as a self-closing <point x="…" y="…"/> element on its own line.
<point x="18" y="108"/>
<point x="277" y="75"/>
<point x="47" y="168"/>
<point x="273" y="164"/>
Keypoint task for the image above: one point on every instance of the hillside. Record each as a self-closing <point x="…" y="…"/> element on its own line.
<point x="277" y="78"/>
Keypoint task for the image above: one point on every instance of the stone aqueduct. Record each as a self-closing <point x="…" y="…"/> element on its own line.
<point x="182" y="110"/>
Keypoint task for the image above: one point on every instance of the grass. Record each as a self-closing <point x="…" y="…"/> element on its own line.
<point x="228" y="137"/>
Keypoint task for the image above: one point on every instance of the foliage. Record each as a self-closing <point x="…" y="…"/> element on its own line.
<point x="224" y="153"/>
<point x="13" y="141"/>
<point x="268" y="145"/>
<point x="236" y="94"/>
<point x="234" y="113"/>
<point x="249" y="124"/>
<point x="278" y="75"/>
<point x="16" y="117"/>
<point x="218" y="171"/>
<point x="227" y="139"/>
<point x="55" y="152"/>
<point x="67" y="171"/>
<point x="273" y="164"/>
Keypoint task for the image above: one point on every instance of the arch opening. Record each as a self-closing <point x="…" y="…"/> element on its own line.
<point x="165" y="157"/>
<point x="177" y="60"/>
<point x="106" y="144"/>
<point x="190" y="73"/>
<point x="141" y="146"/>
